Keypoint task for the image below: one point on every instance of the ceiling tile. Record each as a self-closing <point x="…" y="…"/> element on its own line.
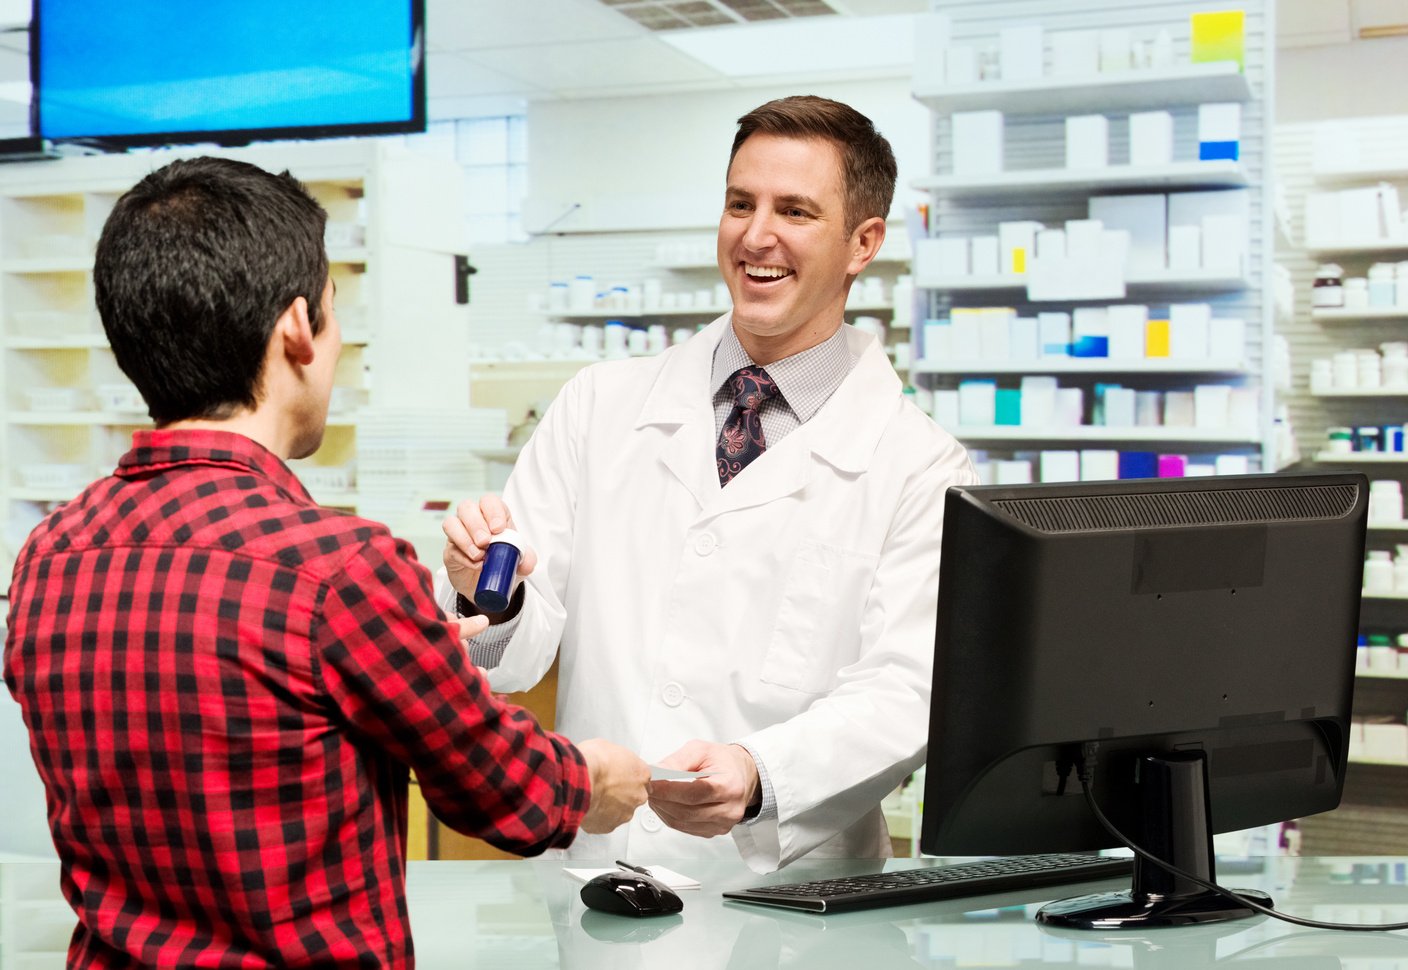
<point x="642" y="62"/>
<point x="451" y="75"/>
<point x="471" y="25"/>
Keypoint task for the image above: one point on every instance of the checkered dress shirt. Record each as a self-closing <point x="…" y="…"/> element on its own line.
<point x="225" y="686"/>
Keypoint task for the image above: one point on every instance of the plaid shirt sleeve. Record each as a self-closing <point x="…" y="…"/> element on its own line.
<point x="400" y="676"/>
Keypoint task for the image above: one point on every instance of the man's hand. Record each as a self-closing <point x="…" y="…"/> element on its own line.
<point x="468" y="534"/>
<point x="620" y="784"/>
<point x="707" y="806"/>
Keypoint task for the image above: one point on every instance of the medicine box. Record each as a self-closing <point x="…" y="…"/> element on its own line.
<point x="1150" y="138"/>
<point x="1021" y="53"/>
<point x="1087" y="142"/>
<point x="977" y="142"/>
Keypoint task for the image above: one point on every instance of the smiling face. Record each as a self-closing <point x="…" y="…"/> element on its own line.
<point x="783" y="248"/>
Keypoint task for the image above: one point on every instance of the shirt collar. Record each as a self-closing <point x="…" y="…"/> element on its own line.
<point x="796" y="376"/>
<point x="158" y="450"/>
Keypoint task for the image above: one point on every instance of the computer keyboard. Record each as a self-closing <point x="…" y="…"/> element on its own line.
<point x="905" y="886"/>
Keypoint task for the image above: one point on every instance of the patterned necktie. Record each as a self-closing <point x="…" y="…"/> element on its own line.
<point x="741" y="439"/>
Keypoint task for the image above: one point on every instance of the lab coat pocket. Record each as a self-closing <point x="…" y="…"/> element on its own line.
<point x="817" y="626"/>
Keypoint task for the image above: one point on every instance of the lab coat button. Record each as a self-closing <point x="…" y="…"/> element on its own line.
<point x="705" y="543"/>
<point x="673" y="694"/>
<point x="650" y="821"/>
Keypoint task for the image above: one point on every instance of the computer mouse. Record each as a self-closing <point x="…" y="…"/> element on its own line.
<point x="630" y="894"/>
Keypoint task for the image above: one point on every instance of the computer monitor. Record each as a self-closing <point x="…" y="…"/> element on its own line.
<point x="1190" y="641"/>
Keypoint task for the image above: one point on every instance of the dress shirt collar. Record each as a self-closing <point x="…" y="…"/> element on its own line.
<point x="805" y="379"/>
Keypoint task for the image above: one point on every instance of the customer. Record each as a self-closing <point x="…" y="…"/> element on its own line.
<point x="787" y="605"/>
<point x="226" y="685"/>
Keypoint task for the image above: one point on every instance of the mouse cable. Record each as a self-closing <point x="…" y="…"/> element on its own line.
<point x="1083" y="772"/>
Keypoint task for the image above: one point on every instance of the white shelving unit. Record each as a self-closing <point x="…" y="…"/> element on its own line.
<point x="395" y="299"/>
<point x="1179" y="175"/>
<point x="1363" y="315"/>
<point x="1035" y="187"/>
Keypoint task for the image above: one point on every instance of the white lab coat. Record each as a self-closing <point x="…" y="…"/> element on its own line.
<point x="792" y="610"/>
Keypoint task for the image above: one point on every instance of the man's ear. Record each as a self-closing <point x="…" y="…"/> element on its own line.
<point x="865" y="243"/>
<point x="294" y="331"/>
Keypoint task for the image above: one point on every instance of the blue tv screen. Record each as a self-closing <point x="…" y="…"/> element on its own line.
<point x="133" y="72"/>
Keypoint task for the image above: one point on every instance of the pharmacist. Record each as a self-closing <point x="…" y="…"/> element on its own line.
<point x="736" y="542"/>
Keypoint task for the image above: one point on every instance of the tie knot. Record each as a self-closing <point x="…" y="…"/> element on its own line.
<point x="751" y="387"/>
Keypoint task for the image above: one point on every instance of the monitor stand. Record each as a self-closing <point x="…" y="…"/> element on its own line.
<point x="1175" y="825"/>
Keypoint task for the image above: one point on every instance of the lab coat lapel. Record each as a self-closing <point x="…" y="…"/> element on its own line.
<point x="680" y="399"/>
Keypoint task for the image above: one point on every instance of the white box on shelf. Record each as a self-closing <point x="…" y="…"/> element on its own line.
<point x="52" y="398"/>
<point x="1322" y="217"/>
<point x="977" y="142"/>
<point x="1219" y="131"/>
<point x="1244" y="409"/>
<point x="1021" y="53"/>
<point x="1227" y="339"/>
<point x="1145" y="218"/>
<point x="1060" y="466"/>
<point x="1099" y="464"/>
<point x="938" y="340"/>
<point x="1083" y="238"/>
<point x="1089" y="321"/>
<point x="1113" y="250"/>
<point x="946" y="408"/>
<point x="1360" y="217"/>
<point x="1150" y="138"/>
<point x="1126" y="324"/>
<point x="1016" y="243"/>
<point x="1224" y="244"/>
<point x="984" y="258"/>
<point x="1087" y="142"/>
<point x="1148" y="409"/>
<point x="1075" y="53"/>
<point x="1198" y="469"/>
<point x="1051" y="244"/>
<point x="1070" y="407"/>
<point x="1012" y="471"/>
<point x="1232" y="465"/>
<point x="960" y="65"/>
<point x="1054" y="333"/>
<point x="1115" y="49"/>
<point x="932" y="32"/>
<point x="1179" y="409"/>
<point x="1210" y="406"/>
<point x="967" y="334"/>
<point x="1119" y="407"/>
<point x="1038" y="401"/>
<point x="1185" y="249"/>
<point x="1390" y="215"/>
<point x="1232" y="222"/>
<point x="952" y="257"/>
<point x="994" y="334"/>
<point x="977" y="403"/>
<point x="1188" y="330"/>
<point x="1024" y="340"/>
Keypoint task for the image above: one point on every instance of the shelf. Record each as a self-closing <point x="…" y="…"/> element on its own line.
<point x="1364" y="392"/>
<point x="48" y="264"/>
<point x="1391" y="762"/>
<point x="1362" y="457"/>
<point x="505" y="454"/>
<point x="75" y="342"/>
<point x="1361" y="247"/>
<point x="1381" y="674"/>
<point x="1359" y="173"/>
<point x="1178" y="282"/>
<point x="1215" y="174"/>
<point x="1393" y="525"/>
<point x="348" y="254"/>
<point x="690" y="311"/>
<point x="22" y="494"/>
<point x="1383" y="596"/>
<point x="1365" y="313"/>
<point x="1115" y="91"/>
<point x="1080" y="365"/>
<point x="1098" y="433"/>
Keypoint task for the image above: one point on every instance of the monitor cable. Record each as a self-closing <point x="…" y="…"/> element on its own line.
<point x="1084" y="770"/>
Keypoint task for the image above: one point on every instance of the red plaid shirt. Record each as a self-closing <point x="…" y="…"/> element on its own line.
<point x="225" y="686"/>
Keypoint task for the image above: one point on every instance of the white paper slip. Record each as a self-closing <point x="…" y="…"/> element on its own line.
<point x="669" y="877"/>
<point x="658" y="773"/>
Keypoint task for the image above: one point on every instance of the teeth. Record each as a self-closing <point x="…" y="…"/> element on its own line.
<point x="766" y="272"/>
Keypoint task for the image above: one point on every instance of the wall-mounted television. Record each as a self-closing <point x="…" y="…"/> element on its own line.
<point x="126" y="73"/>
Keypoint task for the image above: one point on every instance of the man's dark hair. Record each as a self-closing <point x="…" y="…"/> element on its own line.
<point x="194" y="266"/>
<point x="867" y="162"/>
